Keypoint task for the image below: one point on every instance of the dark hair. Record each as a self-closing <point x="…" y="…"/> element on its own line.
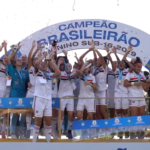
<point x="146" y="73"/>
<point x="126" y="64"/>
<point x="138" y="60"/>
<point x="106" y="60"/>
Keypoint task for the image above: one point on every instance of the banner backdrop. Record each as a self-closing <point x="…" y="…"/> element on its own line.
<point x="77" y="34"/>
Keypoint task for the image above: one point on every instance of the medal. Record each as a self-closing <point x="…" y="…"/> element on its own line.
<point x="120" y="81"/>
<point x="54" y="80"/>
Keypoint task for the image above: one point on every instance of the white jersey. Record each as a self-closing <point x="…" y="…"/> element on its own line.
<point x="111" y="79"/>
<point x="119" y="85"/>
<point x="86" y="91"/>
<point x="65" y="86"/>
<point x="32" y="79"/>
<point x="100" y="77"/>
<point x="135" y="91"/>
<point x="43" y="86"/>
<point x="3" y="79"/>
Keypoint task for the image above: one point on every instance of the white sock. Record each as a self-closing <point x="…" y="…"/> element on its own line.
<point x="48" y="133"/>
<point x="35" y="133"/>
<point x="70" y="124"/>
<point x="28" y="122"/>
<point x="54" y="122"/>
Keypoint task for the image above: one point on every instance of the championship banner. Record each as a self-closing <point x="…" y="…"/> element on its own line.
<point x="77" y="34"/>
<point x="111" y="123"/>
<point x="23" y="103"/>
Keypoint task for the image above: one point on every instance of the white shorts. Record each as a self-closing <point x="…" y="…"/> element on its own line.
<point x="137" y="103"/>
<point x="121" y="103"/>
<point x="111" y="103"/>
<point x="89" y="105"/>
<point x="68" y="104"/>
<point x="29" y="94"/>
<point x="42" y="107"/>
<point x="100" y="94"/>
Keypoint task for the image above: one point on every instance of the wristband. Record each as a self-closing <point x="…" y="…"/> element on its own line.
<point x="132" y="83"/>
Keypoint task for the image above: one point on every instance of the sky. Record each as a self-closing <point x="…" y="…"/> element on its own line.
<point x="20" y="18"/>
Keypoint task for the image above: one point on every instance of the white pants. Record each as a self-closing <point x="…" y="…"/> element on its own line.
<point x="111" y="103"/>
<point x="68" y="103"/>
<point x="100" y="94"/>
<point x="137" y="103"/>
<point x="121" y="103"/>
<point x="29" y="94"/>
<point x="87" y="104"/>
<point x="42" y="107"/>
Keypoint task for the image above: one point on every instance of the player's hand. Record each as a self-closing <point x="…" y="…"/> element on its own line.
<point x="87" y="83"/>
<point x="34" y="44"/>
<point x="9" y="77"/>
<point x="39" y="46"/>
<point x="92" y="47"/>
<point x="19" y="45"/>
<point x="113" y="50"/>
<point x="4" y="44"/>
<point x="130" y="48"/>
<point x="65" y="52"/>
<point x="140" y="84"/>
<point x="29" y="85"/>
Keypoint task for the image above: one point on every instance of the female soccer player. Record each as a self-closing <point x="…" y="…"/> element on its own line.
<point x="135" y="81"/>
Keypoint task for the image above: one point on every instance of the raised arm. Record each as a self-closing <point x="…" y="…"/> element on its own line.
<point x="82" y="69"/>
<point x="40" y="60"/>
<point x="56" y="69"/>
<point x="4" y="44"/>
<point x="30" y="54"/>
<point x="127" y="52"/>
<point x="101" y="58"/>
<point x="109" y="57"/>
<point x="77" y="57"/>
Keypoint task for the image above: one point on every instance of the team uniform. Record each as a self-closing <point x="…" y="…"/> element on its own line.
<point x="87" y="92"/>
<point x="111" y="85"/>
<point x="42" y="104"/>
<point x="100" y="76"/>
<point x="32" y="81"/>
<point x="66" y="90"/>
<point x="120" y="90"/>
<point x="136" y="91"/>
<point x="3" y="80"/>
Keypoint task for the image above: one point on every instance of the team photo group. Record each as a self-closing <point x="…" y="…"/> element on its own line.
<point x="93" y="89"/>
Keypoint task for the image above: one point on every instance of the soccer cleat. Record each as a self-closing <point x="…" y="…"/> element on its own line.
<point x="69" y="134"/>
<point x="3" y="135"/>
<point x="54" y="135"/>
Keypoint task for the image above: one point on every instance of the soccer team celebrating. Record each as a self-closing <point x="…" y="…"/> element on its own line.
<point x="86" y="90"/>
